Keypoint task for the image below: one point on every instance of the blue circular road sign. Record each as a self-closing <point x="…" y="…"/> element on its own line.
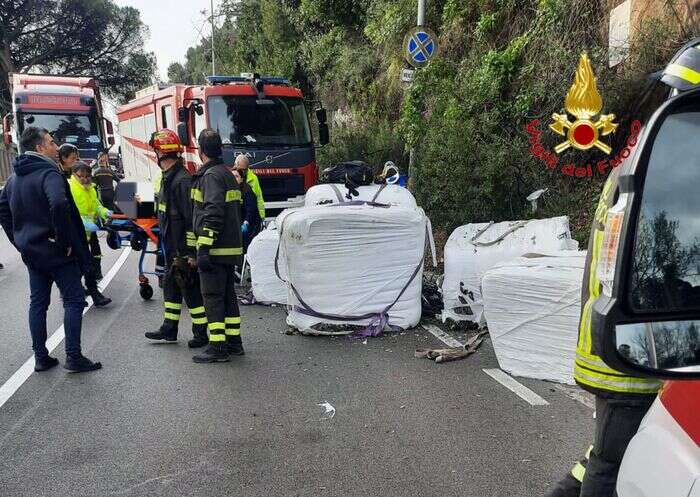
<point x="420" y="45"/>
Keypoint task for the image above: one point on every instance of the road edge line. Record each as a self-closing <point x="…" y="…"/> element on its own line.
<point x="443" y="336"/>
<point x="10" y="387"/>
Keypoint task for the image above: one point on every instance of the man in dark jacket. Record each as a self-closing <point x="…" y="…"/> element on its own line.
<point x="175" y="223"/>
<point x="217" y="226"/>
<point x="43" y="223"/>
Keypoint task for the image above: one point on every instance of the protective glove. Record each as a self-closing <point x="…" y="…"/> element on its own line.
<point x="90" y="226"/>
<point x="244" y="228"/>
<point x="204" y="262"/>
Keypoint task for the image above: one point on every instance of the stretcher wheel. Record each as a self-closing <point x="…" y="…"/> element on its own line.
<point x="146" y="291"/>
<point x="114" y="241"/>
<point x="136" y="243"/>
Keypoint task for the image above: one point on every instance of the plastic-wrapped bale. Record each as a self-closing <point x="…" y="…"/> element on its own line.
<point x="473" y="249"/>
<point x="532" y="305"/>
<point x="336" y="193"/>
<point x="352" y="266"/>
<point x="267" y="287"/>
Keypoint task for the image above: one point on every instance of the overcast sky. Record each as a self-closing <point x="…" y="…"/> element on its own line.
<point x="174" y="27"/>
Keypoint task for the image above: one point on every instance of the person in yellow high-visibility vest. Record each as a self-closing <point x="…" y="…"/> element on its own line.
<point x="621" y="400"/>
<point x="241" y="165"/>
<point x="91" y="211"/>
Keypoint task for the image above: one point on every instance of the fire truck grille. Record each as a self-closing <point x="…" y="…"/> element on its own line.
<point x="280" y="188"/>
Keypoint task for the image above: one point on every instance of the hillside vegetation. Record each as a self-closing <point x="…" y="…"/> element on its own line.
<point x="502" y="64"/>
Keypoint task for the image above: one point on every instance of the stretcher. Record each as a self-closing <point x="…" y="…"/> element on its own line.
<point x="141" y="234"/>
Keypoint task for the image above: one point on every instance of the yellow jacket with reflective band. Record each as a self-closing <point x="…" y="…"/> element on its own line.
<point x="254" y="183"/>
<point x="87" y="202"/>
<point x="590" y="372"/>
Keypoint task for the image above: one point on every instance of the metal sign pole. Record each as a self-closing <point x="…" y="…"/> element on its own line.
<point x="412" y="152"/>
<point x="213" y="66"/>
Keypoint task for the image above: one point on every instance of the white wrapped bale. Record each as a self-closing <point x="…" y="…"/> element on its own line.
<point x="335" y="193"/>
<point x="267" y="287"/>
<point x="532" y="305"/>
<point x="473" y="249"/>
<point x="350" y="261"/>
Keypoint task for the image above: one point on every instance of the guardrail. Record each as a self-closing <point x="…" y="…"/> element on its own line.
<point x="6" y="159"/>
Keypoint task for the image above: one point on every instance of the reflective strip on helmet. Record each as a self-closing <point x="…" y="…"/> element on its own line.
<point x="233" y="320"/>
<point x="217" y="337"/>
<point x="173" y="305"/>
<point x="197" y="310"/>
<point x="196" y="194"/>
<point x="217" y="326"/>
<point x="226" y="251"/>
<point x="233" y="195"/>
<point x="172" y="317"/>
<point x="684" y="73"/>
<point x="615" y="383"/>
<point x="578" y="471"/>
<point x="169" y="146"/>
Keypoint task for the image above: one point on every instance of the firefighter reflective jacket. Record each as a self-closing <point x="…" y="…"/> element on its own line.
<point x="254" y="183"/>
<point x="175" y="212"/>
<point x="87" y="202"/>
<point x="590" y="372"/>
<point x="216" y="219"/>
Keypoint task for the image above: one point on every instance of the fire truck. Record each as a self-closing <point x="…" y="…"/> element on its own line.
<point x="264" y="118"/>
<point x="70" y="108"/>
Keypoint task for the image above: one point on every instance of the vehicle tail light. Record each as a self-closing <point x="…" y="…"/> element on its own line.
<point x="607" y="259"/>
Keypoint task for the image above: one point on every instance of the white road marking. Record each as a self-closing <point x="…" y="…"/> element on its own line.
<point x="517" y="388"/>
<point x="578" y="395"/>
<point x="8" y="389"/>
<point x="443" y="336"/>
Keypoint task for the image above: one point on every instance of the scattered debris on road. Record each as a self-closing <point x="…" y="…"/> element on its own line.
<point x="453" y="353"/>
<point x="329" y="410"/>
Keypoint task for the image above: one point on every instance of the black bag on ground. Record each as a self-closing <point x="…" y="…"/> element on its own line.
<point x="355" y="173"/>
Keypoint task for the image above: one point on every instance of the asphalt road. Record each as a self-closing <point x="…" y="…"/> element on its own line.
<point x="153" y="423"/>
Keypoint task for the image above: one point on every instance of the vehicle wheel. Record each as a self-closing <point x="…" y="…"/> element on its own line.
<point x="136" y="243"/>
<point x="146" y="291"/>
<point x="114" y="241"/>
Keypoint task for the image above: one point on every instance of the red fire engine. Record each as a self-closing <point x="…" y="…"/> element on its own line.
<point x="68" y="107"/>
<point x="262" y="117"/>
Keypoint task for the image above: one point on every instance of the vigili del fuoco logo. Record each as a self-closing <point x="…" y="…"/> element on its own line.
<point x="583" y="101"/>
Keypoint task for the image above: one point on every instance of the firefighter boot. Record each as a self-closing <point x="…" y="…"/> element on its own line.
<point x="200" y="337"/>
<point x="167" y="332"/>
<point x="215" y="352"/>
<point x="98" y="299"/>
<point x="234" y="345"/>
<point x="97" y="267"/>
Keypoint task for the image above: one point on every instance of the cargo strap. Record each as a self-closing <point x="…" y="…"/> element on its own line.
<point x="379" y="192"/>
<point x="378" y="320"/>
<point x="341" y="199"/>
<point x="515" y="227"/>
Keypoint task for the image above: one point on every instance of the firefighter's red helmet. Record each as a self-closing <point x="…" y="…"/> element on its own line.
<point x="165" y="141"/>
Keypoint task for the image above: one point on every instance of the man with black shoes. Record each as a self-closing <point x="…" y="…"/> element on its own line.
<point x="42" y="222"/>
<point x="175" y="222"/>
<point x="217" y="226"/>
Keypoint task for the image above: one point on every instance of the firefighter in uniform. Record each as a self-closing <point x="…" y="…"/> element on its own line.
<point x="104" y="179"/>
<point x="217" y="226"/>
<point x="175" y="222"/>
<point x="621" y="400"/>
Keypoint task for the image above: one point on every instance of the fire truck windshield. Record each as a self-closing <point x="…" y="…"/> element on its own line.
<point x="78" y="129"/>
<point x="241" y="120"/>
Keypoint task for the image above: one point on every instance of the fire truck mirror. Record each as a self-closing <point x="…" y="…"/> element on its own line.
<point x="110" y="127"/>
<point x="321" y="115"/>
<point x="182" y="114"/>
<point x="323" y="134"/>
<point x="183" y="133"/>
<point x="110" y="140"/>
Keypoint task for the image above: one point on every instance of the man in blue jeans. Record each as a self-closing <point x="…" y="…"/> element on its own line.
<point x="41" y="220"/>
